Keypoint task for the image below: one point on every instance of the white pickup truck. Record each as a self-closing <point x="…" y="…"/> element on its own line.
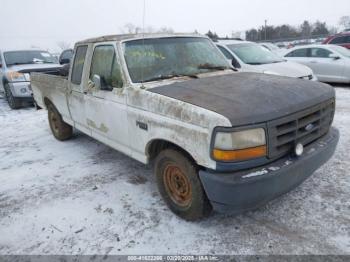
<point x="218" y="139"/>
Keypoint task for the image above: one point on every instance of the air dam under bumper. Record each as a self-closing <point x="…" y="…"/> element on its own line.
<point x="245" y="190"/>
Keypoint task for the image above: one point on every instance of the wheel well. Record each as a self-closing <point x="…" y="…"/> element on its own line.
<point x="4" y="82"/>
<point x="47" y="102"/>
<point x="156" y="146"/>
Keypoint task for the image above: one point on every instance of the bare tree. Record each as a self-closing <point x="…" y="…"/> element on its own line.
<point x="306" y="29"/>
<point x="34" y="46"/>
<point x="344" y="21"/>
<point x="130" y="28"/>
<point x="165" y="30"/>
<point x="63" y="45"/>
<point x="333" y="30"/>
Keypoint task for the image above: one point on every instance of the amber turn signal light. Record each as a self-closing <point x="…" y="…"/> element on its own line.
<point x="239" y="155"/>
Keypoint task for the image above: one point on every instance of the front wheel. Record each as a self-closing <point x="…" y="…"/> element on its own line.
<point x="14" y="103"/>
<point x="179" y="185"/>
<point x="60" y="129"/>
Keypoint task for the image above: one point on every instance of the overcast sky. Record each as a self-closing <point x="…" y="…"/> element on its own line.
<point x="43" y="23"/>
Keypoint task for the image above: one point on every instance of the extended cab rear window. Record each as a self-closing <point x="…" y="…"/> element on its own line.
<point x="78" y="65"/>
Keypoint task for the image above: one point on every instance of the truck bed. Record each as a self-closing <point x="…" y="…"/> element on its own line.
<point x="53" y="88"/>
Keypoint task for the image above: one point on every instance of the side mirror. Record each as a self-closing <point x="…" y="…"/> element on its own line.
<point x="0" y="65"/>
<point x="334" y="56"/>
<point x="97" y="81"/>
<point x="63" y="61"/>
<point x="235" y="64"/>
<point x="64" y="70"/>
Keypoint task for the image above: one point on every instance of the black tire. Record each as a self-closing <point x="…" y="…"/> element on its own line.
<point x="179" y="185"/>
<point x="14" y="103"/>
<point x="60" y="129"/>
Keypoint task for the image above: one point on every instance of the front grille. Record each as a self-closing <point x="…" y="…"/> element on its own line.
<point x="303" y="127"/>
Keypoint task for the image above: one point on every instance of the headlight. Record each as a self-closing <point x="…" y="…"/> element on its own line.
<point x="14" y="76"/>
<point x="240" y="145"/>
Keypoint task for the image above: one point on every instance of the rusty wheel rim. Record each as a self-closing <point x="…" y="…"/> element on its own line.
<point x="53" y="121"/>
<point x="177" y="185"/>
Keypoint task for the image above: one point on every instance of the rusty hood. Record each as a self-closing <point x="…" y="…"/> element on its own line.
<point x="249" y="98"/>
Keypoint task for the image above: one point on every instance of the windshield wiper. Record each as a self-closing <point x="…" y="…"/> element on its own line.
<point x="212" y="67"/>
<point x="256" y="63"/>
<point x="21" y="63"/>
<point x="163" y="77"/>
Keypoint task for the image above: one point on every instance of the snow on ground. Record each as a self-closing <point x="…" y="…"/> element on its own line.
<point x="81" y="197"/>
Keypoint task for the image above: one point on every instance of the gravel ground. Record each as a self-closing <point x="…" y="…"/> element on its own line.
<point x="81" y="197"/>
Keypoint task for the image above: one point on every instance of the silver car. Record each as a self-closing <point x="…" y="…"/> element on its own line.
<point x="330" y="63"/>
<point x="15" y="69"/>
<point x="250" y="57"/>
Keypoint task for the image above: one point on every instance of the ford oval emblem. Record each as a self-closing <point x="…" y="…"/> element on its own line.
<point x="309" y="127"/>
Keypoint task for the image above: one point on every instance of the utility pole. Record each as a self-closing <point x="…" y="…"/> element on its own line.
<point x="265" y="29"/>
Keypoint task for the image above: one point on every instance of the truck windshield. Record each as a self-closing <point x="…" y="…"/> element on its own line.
<point x="164" y="58"/>
<point x="254" y="54"/>
<point x="28" y="57"/>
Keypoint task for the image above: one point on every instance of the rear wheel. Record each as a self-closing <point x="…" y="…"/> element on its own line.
<point x="13" y="102"/>
<point x="60" y="129"/>
<point x="179" y="185"/>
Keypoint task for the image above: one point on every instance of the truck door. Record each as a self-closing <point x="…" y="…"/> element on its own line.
<point x="106" y="109"/>
<point x="76" y="97"/>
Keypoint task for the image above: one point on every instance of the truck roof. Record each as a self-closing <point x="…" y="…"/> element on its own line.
<point x="123" y="37"/>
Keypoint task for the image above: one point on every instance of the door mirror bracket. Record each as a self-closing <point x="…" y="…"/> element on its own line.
<point x="96" y="79"/>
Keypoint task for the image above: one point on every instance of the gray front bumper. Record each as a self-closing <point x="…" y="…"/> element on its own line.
<point x="244" y="190"/>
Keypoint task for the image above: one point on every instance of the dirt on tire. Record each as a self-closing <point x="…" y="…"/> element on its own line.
<point x="60" y="129"/>
<point x="179" y="184"/>
<point x="13" y="102"/>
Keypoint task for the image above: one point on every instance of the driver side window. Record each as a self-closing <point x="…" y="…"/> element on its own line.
<point x="105" y="64"/>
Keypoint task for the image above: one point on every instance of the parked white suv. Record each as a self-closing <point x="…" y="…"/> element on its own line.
<point x="251" y="57"/>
